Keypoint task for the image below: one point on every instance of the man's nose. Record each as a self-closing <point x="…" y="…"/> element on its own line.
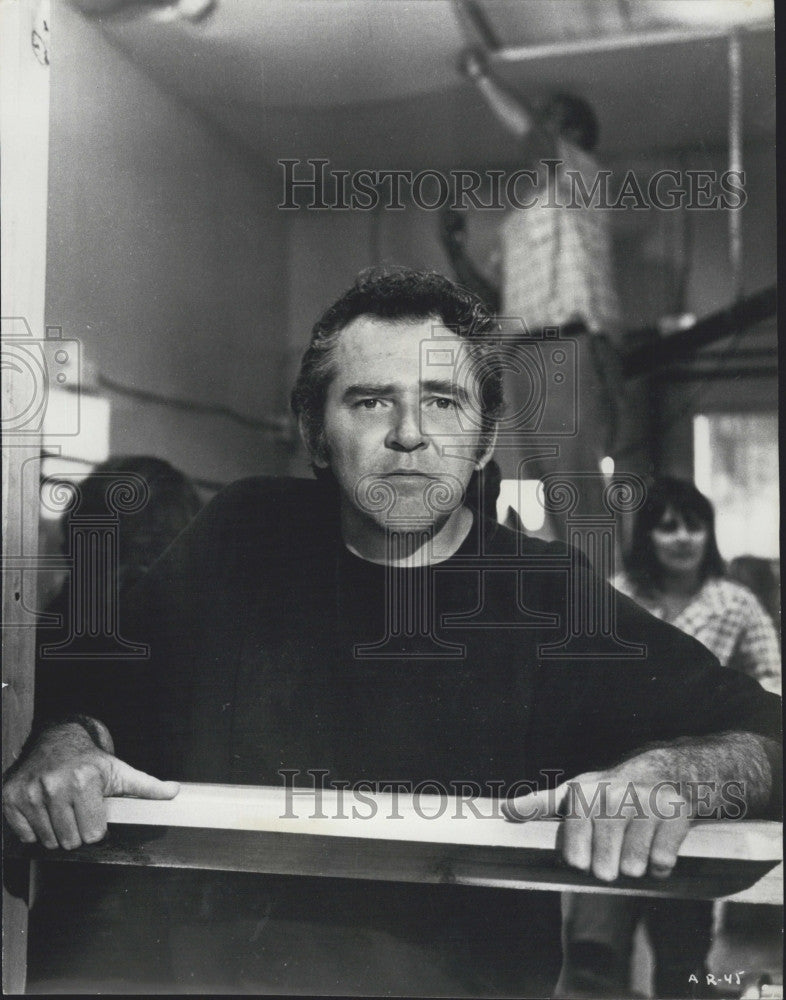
<point x="406" y="433"/>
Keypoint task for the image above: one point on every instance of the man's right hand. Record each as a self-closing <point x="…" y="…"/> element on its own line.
<point x="55" y="793"/>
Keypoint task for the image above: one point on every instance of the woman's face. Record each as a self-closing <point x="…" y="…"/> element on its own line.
<point x="679" y="543"/>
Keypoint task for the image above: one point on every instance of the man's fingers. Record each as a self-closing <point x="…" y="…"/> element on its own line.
<point x="635" y="854"/>
<point x="608" y="835"/>
<point x="90" y="814"/>
<point x="665" y="845"/>
<point x="577" y="834"/>
<point x="37" y="816"/>
<point x="64" y="825"/>
<point x="537" y="805"/>
<point x="19" y="824"/>
<point x="88" y="783"/>
<point x="126" y="780"/>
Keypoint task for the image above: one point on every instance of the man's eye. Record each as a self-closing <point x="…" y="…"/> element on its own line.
<point x="444" y="402"/>
<point x="368" y="404"/>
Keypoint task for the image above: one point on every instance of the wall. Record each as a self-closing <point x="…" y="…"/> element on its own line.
<point x="652" y="246"/>
<point x="166" y="260"/>
<point x="667" y="262"/>
<point x="170" y="261"/>
<point x="739" y="383"/>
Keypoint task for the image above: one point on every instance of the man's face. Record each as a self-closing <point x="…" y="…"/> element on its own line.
<point x="392" y="411"/>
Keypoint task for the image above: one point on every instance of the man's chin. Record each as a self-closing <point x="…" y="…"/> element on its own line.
<point x="409" y="497"/>
<point x="409" y="514"/>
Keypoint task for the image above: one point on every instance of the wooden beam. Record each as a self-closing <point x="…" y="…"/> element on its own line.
<point x="725" y="323"/>
<point x="24" y="121"/>
<point x="421" y="818"/>
<point x="407" y="861"/>
<point x="401" y="838"/>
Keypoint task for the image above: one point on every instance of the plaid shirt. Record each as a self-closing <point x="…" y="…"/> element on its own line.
<point x="557" y="260"/>
<point x="730" y="622"/>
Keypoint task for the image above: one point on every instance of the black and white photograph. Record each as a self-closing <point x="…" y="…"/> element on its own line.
<point x="391" y="522"/>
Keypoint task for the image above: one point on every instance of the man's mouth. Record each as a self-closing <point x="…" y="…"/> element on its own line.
<point x="408" y="473"/>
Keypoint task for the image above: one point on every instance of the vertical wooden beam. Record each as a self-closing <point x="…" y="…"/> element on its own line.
<point x="24" y="120"/>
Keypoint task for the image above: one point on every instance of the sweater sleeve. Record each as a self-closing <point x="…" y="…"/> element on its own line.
<point x="599" y="705"/>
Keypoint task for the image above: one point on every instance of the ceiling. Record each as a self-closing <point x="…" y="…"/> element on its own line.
<point x="374" y="82"/>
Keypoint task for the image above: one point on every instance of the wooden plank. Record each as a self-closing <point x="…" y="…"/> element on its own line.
<point x="396" y="861"/>
<point x="769" y="889"/>
<point x="426" y="818"/>
<point x="24" y="121"/>
<point x="240" y="828"/>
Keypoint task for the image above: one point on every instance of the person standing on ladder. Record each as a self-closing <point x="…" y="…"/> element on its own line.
<point x="555" y="270"/>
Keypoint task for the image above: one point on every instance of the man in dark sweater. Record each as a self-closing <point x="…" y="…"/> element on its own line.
<point x="370" y="625"/>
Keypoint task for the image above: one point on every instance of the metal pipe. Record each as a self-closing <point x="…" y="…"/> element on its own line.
<point x="735" y="159"/>
<point x="610" y="43"/>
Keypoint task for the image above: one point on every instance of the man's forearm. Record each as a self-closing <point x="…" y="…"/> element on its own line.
<point x="74" y="733"/>
<point x="95" y="729"/>
<point x="712" y="770"/>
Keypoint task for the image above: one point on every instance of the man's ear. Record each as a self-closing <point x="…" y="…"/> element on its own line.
<point x="316" y="451"/>
<point x="489" y="443"/>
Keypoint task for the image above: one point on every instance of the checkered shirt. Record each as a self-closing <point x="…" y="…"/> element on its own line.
<point x="557" y="261"/>
<point x="730" y="622"/>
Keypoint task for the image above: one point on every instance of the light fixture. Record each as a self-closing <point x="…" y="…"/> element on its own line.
<point x="717" y="14"/>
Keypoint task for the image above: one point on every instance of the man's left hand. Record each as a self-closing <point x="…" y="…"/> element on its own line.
<point x="613" y="824"/>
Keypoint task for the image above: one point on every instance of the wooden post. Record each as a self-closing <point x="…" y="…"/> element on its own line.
<point x="24" y="118"/>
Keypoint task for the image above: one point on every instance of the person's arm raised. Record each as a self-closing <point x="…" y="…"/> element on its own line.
<point x="510" y="111"/>
<point x="55" y="792"/>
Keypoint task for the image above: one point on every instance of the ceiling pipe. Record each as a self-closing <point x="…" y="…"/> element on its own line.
<point x="611" y="43"/>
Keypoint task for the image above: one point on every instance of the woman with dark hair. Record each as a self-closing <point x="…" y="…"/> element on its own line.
<point x="673" y="569"/>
